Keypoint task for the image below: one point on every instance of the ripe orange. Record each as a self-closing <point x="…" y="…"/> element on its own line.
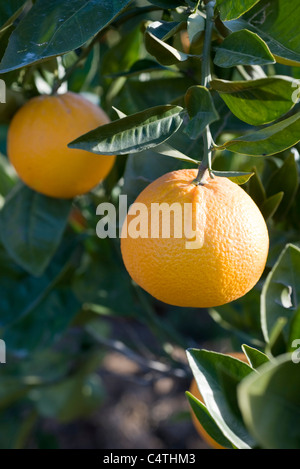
<point x="195" y="391"/>
<point x="230" y="249"/>
<point x="37" y="145"/>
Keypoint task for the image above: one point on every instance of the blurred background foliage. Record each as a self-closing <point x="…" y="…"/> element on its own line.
<point x="66" y="303"/>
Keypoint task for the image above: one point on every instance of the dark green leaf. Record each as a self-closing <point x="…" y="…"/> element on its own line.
<point x="256" y="189"/>
<point x="231" y="9"/>
<point x="11" y="390"/>
<point x="165" y="149"/>
<point x="48" y="29"/>
<point x="270" y="206"/>
<point x="207" y="421"/>
<point x="273" y="22"/>
<point x="73" y="397"/>
<point x="22" y="294"/>
<point x="12" y="420"/>
<point x="195" y="26"/>
<point x="201" y="109"/>
<point x="294" y="341"/>
<point x="243" y="48"/>
<point x="166" y="3"/>
<point x="139" y="67"/>
<point x="242" y="317"/>
<point x="8" y="177"/>
<point x="235" y="176"/>
<point x="259" y="101"/>
<point x="143" y="168"/>
<point x="138" y="95"/>
<point x="286" y="180"/>
<point x="32" y="371"/>
<point x="181" y="142"/>
<point x="134" y="133"/>
<point x="32" y="226"/>
<point x="277" y="344"/>
<point x="204" y="365"/>
<point x="270" y="404"/>
<point x="269" y="140"/>
<point x="255" y="357"/>
<point x="280" y="292"/>
<point x="44" y="322"/>
<point x="163" y="30"/>
<point x="229" y="380"/>
<point x="112" y="293"/>
<point x="120" y="57"/>
<point x="70" y="399"/>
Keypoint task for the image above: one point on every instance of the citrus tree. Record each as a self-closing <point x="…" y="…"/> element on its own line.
<point x="100" y="102"/>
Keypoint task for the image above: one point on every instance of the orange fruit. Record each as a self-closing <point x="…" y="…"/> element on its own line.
<point x="195" y="391"/>
<point x="37" y="145"/>
<point x="227" y="256"/>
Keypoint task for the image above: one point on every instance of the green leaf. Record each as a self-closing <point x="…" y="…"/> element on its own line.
<point x="11" y="390"/>
<point x="270" y="206"/>
<point x="229" y="379"/>
<point x="35" y="312"/>
<point x="204" y="365"/>
<point x="273" y="22"/>
<point x="21" y="293"/>
<point x="280" y="293"/>
<point x="120" y="57"/>
<point x="165" y="149"/>
<point x="270" y="404"/>
<point x="277" y="344"/>
<point x="256" y="189"/>
<point x="143" y="168"/>
<point x="112" y="293"/>
<point x="162" y="51"/>
<point x="45" y="320"/>
<point x="294" y="340"/>
<point x="242" y="317"/>
<point x="73" y="397"/>
<point x="286" y="180"/>
<point x="32" y="371"/>
<point x="181" y="142"/>
<point x="8" y="177"/>
<point x="255" y="357"/>
<point x="243" y="48"/>
<point x="238" y="177"/>
<point x="32" y="226"/>
<point x="134" y="133"/>
<point x="231" y="9"/>
<point x="9" y="10"/>
<point x="195" y="26"/>
<point x="164" y="30"/>
<point x="12" y="421"/>
<point x="48" y="29"/>
<point x="139" y="67"/>
<point x="201" y="109"/>
<point x="269" y="140"/>
<point x="138" y="95"/>
<point x="259" y="101"/>
<point x="207" y="421"/>
<point x="166" y="3"/>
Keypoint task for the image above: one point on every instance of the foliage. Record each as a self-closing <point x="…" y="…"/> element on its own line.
<point x="62" y="287"/>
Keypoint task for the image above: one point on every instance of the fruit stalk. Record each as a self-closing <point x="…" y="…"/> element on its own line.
<point x="205" y="81"/>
